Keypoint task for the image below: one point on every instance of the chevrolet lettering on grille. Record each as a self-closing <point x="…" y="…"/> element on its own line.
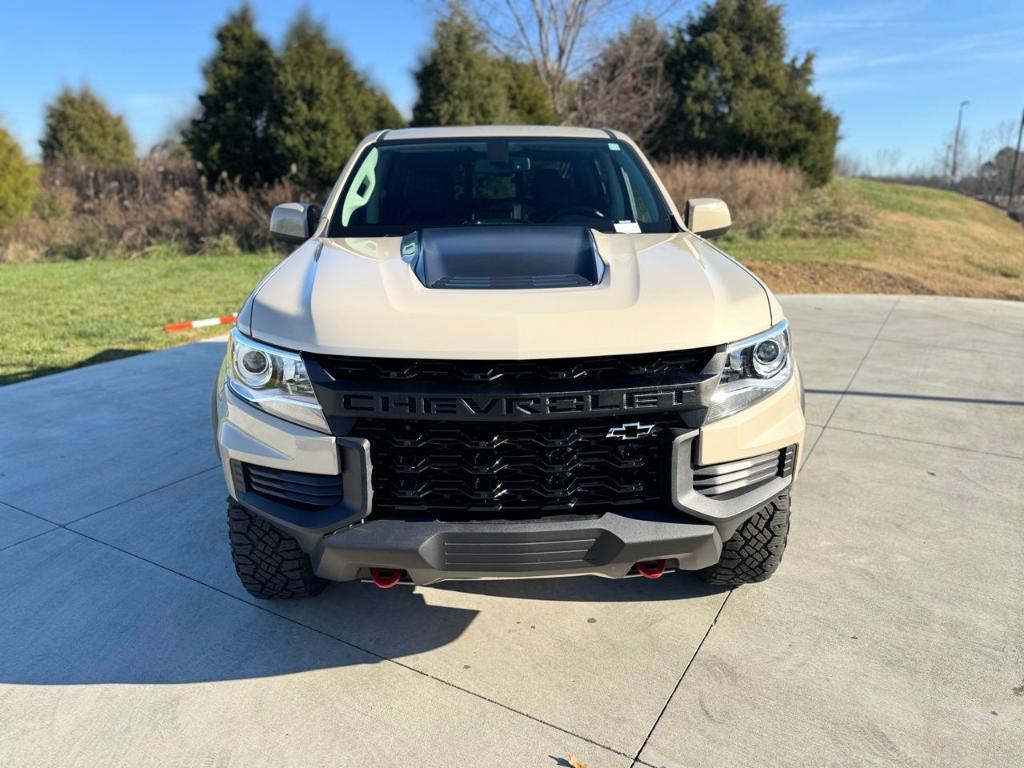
<point x="517" y="407"/>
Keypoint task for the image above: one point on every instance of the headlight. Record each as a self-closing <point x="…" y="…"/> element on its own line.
<point x="274" y="381"/>
<point x="754" y="368"/>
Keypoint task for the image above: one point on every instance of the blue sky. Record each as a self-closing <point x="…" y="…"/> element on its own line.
<point x="894" y="70"/>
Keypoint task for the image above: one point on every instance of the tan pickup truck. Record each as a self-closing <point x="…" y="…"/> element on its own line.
<point x="502" y="352"/>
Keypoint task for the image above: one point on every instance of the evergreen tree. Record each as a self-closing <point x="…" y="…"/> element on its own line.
<point x="19" y="183"/>
<point x="319" y="101"/>
<point x="232" y="133"/>
<point x="459" y="82"/>
<point x="324" y="105"/>
<point x="385" y="113"/>
<point x="736" y="93"/>
<point x="80" y="129"/>
<point x="529" y="100"/>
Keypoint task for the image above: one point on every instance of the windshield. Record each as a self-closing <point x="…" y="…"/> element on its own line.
<point x="398" y="187"/>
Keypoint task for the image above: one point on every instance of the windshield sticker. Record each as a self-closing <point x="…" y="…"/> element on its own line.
<point x="614" y="147"/>
<point x="627" y="227"/>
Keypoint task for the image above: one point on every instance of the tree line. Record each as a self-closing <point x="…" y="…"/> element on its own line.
<point x="719" y="82"/>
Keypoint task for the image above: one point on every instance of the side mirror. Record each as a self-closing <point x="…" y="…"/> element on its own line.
<point x="707" y="217"/>
<point x="294" y="222"/>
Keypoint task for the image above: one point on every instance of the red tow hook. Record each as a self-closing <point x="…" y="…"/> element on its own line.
<point x="652" y="569"/>
<point x="385" y="578"/>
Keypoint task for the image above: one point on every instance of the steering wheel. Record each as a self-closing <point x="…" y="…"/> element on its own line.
<point x="578" y="210"/>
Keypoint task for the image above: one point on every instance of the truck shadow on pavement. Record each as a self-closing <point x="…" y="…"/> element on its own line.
<point x="106" y="356"/>
<point x="591" y="589"/>
<point x="92" y="614"/>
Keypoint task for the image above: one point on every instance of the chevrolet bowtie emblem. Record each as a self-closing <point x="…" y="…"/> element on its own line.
<point x="633" y="431"/>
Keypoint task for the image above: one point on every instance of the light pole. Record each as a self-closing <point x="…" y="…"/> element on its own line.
<point x="1013" y="170"/>
<point x="956" y="136"/>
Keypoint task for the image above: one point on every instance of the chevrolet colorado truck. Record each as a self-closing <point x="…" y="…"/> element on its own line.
<point x="502" y="352"/>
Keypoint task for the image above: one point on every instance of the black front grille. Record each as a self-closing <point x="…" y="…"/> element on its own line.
<point x="638" y="370"/>
<point x="501" y="470"/>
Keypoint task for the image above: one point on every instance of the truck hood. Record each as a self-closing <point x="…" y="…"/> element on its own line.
<point x="658" y="292"/>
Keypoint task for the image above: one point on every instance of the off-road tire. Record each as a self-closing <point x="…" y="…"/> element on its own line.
<point x="269" y="563"/>
<point x="755" y="550"/>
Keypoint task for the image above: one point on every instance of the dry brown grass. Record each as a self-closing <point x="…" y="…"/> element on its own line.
<point x="88" y="214"/>
<point x="757" y="191"/>
<point x="825" y="277"/>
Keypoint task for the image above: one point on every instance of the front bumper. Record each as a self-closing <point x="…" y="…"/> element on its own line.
<point x="430" y="551"/>
<point x="344" y="543"/>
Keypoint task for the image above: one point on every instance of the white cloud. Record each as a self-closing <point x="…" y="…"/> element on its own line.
<point x="874" y="16"/>
<point x="1003" y="45"/>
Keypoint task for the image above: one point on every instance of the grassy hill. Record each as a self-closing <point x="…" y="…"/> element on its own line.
<point x="852" y="236"/>
<point x="859" y="236"/>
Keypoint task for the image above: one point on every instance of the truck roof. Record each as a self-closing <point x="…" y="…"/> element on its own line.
<point x="491" y="131"/>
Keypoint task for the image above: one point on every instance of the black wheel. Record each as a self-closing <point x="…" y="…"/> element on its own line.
<point x="269" y="563"/>
<point x="755" y="550"/>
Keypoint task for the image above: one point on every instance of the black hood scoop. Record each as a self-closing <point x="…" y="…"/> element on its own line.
<point x="500" y="257"/>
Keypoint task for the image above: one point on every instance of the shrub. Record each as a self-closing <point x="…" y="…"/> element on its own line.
<point x="18" y="182"/>
<point x="831" y="211"/>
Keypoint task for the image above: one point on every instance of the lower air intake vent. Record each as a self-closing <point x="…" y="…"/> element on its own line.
<point x="737" y="476"/>
<point x="298" y="488"/>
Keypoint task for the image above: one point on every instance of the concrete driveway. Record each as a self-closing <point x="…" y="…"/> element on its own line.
<point x="892" y="635"/>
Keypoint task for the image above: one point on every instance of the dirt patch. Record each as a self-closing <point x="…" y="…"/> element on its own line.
<point x="832" y="277"/>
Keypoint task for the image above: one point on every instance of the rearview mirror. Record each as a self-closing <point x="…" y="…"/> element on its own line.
<point x="707" y="217"/>
<point x="294" y="222"/>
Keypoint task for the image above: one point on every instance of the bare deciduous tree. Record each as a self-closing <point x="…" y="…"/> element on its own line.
<point x="546" y="32"/>
<point x="625" y="86"/>
<point x="557" y="36"/>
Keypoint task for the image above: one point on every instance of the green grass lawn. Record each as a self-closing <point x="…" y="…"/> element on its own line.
<point x="791" y="249"/>
<point x="59" y="315"/>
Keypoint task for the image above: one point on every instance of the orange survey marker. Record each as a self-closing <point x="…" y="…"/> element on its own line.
<point x="205" y="323"/>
